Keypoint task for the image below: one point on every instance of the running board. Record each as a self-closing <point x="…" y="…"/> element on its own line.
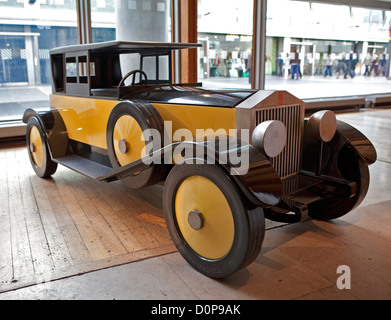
<point x="123" y="172"/>
<point x="83" y="166"/>
<point x="99" y="172"/>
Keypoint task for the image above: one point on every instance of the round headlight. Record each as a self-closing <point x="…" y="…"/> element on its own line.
<point x="270" y="138"/>
<point x="323" y="125"/>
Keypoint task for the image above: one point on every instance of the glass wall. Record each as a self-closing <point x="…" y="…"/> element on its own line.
<point x="352" y="44"/>
<point x="103" y="20"/>
<point x="27" y="33"/>
<point x="225" y="29"/>
<point x="339" y="50"/>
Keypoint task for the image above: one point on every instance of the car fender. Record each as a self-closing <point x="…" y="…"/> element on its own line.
<point x="53" y="126"/>
<point x="361" y="144"/>
<point x="345" y="136"/>
<point x="257" y="179"/>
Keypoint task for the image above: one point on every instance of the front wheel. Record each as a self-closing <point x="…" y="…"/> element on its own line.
<point x="209" y="222"/>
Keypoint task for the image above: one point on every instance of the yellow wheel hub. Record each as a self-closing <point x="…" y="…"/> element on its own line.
<point x="127" y="140"/>
<point x="36" y="146"/>
<point x="204" y="217"/>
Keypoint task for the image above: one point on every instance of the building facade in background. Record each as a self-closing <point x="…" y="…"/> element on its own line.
<point x="225" y="28"/>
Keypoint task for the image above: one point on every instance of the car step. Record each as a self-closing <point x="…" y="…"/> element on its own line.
<point x="84" y="166"/>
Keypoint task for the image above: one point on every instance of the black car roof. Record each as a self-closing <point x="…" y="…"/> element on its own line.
<point x="126" y="47"/>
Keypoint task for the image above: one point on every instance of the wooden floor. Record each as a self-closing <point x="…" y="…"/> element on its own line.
<point x="71" y="224"/>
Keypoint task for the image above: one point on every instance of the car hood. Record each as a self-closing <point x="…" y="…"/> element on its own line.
<point x="187" y="95"/>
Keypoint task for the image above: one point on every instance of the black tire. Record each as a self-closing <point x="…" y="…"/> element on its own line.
<point x="38" y="150"/>
<point x="147" y="117"/>
<point x="354" y="169"/>
<point x="249" y="224"/>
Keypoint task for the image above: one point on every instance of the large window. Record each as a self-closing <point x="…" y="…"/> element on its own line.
<point x="28" y="30"/>
<point x="225" y="29"/>
<point x="103" y="20"/>
<point x="27" y="33"/>
<point x="339" y="50"/>
<point x="352" y="44"/>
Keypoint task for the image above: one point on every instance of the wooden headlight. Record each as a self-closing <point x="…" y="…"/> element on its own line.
<point x="270" y="138"/>
<point x="323" y="125"/>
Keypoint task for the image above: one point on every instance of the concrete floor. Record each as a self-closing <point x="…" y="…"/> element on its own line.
<point x="297" y="261"/>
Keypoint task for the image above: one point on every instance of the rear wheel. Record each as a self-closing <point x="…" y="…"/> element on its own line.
<point x="38" y="150"/>
<point x="209" y="222"/>
<point x="126" y="126"/>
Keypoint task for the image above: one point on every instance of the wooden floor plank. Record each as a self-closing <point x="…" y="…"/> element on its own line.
<point x="124" y="234"/>
<point x="70" y="223"/>
<point x="38" y="238"/>
<point x="58" y="249"/>
<point x="4" y="207"/>
<point x="143" y="231"/>
<point x="109" y="239"/>
<point x="91" y="239"/>
<point x="22" y="260"/>
<point x="149" y="216"/>
<point x="143" y="236"/>
<point x="74" y="242"/>
<point x="6" y="263"/>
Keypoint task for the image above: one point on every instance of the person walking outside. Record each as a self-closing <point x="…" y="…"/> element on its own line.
<point x="250" y="67"/>
<point x="2" y="77"/>
<point x="295" y="66"/>
<point x="350" y="66"/>
<point x="329" y="66"/>
<point x="341" y="67"/>
<point x="280" y="61"/>
<point x="374" y="65"/>
<point x="383" y="64"/>
<point x="367" y="63"/>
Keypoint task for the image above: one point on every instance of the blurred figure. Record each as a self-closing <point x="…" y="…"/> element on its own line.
<point x="374" y="65"/>
<point x="367" y="63"/>
<point x="2" y="78"/>
<point x="287" y="65"/>
<point x="350" y="66"/>
<point x="329" y="66"/>
<point x="295" y="66"/>
<point x="250" y="67"/>
<point x="383" y="64"/>
<point x="280" y="61"/>
<point x="341" y="67"/>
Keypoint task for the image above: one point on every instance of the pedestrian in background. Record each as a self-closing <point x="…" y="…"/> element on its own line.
<point x="280" y="61"/>
<point x="329" y="66"/>
<point x="341" y="67"/>
<point x="350" y="66"/>
<point x="2" y="78"/>
<point x="250" y="67"/>
<point x="295" y="65"/>
<point x="374" y="65"/>
<point x="383" y="64"/>
<point x="367" y="63"/>
<point x="287" y="65"/>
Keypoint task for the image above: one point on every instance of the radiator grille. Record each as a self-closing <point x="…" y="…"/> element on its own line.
<point x="289" y="161"/>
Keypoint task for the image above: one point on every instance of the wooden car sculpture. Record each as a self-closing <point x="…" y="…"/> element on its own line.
<point x="107" y="96"/>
